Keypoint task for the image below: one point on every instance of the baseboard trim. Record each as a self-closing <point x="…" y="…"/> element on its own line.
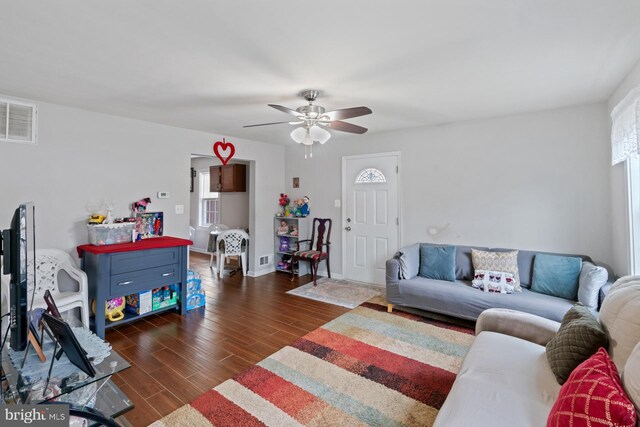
<point x="261" y="272"/>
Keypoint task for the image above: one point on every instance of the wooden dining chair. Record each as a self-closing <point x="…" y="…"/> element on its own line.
<point x="319" y="248"/>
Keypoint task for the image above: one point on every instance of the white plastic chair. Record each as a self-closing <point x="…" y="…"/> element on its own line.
<point x="51" y="266"/>
<point x="234" y="243"/>
<point x="214" y="233"/>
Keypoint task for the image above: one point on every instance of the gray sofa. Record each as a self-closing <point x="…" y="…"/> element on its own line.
<point x="459" y="299"/>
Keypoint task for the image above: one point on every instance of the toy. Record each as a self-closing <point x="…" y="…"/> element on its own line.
<point x="283" y="229"/>
<point x="293" y="231"/>
<point x="140" y="205"/>
<point x="113" y="308"/>
<point x="284" y="244"/>
<point x="297" y="203"/>
<point x="139" y="303"/>
<point x="304" y="208"/>
<point x="97" y="219"/>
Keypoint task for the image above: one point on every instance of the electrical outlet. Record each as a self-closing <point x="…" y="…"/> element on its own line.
<point x="179" y="209"/>
<point x="336" y="203"/>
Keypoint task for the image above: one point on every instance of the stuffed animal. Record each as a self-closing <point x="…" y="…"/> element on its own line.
<point x="283" y="229"/>
<point x="304" y="208"/>
<point x="140" y="205"/>
<point x="284" y="244"/>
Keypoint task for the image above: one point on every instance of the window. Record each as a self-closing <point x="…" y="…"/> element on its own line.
<point x="370" y="175"/>
<point x="209" y="202"/>
<point x="18" y="121"/>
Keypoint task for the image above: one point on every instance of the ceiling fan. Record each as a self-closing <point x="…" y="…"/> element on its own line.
<point x="314" y="119"/>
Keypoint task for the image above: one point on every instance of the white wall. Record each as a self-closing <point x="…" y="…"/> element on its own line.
<point x="536" y="181"/>
<point x="234" y="207"/>
<point x="620" y="225"/>
<point x="83" y="157"/>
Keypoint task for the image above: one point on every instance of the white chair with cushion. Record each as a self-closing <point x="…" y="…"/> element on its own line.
<point x="232" y="243"/>
<point x="57" y="272"/>
<point x="505" y="378"/>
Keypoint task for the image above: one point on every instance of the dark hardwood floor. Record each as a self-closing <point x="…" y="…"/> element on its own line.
<point x="176" y="358"/>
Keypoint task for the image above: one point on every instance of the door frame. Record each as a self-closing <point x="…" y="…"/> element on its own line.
<point x="343" y="211"/>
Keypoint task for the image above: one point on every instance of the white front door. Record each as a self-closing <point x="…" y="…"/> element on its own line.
<point x="371" y="223"/>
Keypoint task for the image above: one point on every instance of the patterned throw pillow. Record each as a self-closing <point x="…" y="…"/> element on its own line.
<point x="593" y="396"/>
<point x="497" y="261"/>
<point x="493" y="281"/>
<point x="579" y="337"/>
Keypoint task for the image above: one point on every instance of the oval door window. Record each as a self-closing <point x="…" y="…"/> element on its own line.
<point x="370" y="175"/>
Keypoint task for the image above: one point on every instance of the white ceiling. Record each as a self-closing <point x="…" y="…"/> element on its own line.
<point x="214" y="65"/>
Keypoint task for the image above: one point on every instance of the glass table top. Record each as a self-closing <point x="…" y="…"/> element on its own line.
<point x="29" y="383"/>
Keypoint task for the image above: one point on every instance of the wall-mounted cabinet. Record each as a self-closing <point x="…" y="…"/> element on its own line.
<point x="228" y="178"/>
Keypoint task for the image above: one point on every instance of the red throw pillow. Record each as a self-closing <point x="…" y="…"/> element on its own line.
<point x="593" y="396"/>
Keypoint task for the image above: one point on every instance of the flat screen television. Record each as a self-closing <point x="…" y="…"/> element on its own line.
<point x="18" y="246"/>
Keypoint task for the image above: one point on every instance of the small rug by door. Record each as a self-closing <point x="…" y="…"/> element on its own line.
<point x="345" y="293"/>
<point x="366" y="367"/>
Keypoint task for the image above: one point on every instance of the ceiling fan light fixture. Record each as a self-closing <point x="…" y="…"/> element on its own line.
<point x="319" y="134"/>
<point x="299" y="134"/>
<point x="307" y="139"/>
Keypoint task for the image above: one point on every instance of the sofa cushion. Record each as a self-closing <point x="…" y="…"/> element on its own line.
<point x="631" y="377"/>
<point x="438" y="262"/>
<point x="493" y="281"/>
<point x="459" y="299"/>
<point x="503" y="381"/>
<point x="579" y="337"/>
<point x="556" y="275"/>
<point x="464" y="265"/>
<point x="409" y="259"/>
<point x="619" y="316"/>
<point x="497" y="261"/>
<point x="592" y="279"/>
<point x="525" y="262"/>
<point x="593" y="396"/>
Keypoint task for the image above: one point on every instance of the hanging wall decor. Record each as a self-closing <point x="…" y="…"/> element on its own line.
<point x="224" y="151"/>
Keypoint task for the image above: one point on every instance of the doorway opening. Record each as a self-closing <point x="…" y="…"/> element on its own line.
<point x="221" y="197"/>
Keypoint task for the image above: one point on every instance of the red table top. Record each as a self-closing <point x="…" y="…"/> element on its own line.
<point x="141" y="245"/>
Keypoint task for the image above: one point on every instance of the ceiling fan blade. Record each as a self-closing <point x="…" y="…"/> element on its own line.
<point x="347" y="113"/>
<point x="265" y="124"/>
<point x="347" y="127"/>
<point x="286" y="110"/>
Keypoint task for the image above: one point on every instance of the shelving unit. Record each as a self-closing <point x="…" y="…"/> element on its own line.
<point x="302" y="224"/>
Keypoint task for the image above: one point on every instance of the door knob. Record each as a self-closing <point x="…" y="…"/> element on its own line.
<point x="348" y="228"/>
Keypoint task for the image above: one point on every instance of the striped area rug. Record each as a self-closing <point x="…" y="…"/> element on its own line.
<point x="366" y="367"/>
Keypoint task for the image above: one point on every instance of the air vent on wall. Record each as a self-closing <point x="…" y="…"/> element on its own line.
<point x="264" y="260"/>
<point x="18" y="121"/>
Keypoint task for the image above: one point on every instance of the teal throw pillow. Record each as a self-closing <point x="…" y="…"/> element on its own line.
<point x="438" y="262"/>
<point x="556" y="275"/>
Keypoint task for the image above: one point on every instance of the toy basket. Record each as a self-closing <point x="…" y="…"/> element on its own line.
<point x="109" y="234"/>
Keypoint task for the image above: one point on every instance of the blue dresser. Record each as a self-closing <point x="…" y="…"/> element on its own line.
<point x="129" y="268"/>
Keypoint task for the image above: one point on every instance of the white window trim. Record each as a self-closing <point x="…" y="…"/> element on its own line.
<point x="201" y="222"/>
<point x="34" y="124"/>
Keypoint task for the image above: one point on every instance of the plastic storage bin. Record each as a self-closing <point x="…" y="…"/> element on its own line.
<point x="109" y="234"/>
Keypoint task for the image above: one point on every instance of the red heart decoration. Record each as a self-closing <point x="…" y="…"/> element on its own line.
<point x="224" y="146"/>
